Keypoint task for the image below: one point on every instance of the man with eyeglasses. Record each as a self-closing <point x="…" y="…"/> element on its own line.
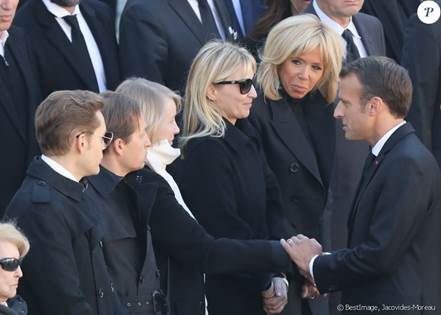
<point x="65" y="270"/>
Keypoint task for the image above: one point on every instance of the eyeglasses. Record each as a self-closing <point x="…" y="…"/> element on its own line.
<point x="244" y="85"/>
<point x="107" y="138"/>
<point x="10" y="264"/>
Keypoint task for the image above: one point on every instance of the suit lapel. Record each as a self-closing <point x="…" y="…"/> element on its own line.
<point x="399" y="134"/>
<point x="188" y="16"/>
<point x="18" y="48"/>
<point x="365" y="36"/>
<point x="291" y="134"/>
<point x="59" y="40"/>
<point x="102" y="41"/>
<point x="9" y="107"/>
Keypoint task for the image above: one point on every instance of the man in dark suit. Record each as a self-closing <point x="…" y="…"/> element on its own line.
<point x="363" y="33"/>
<point x="364" y="37"/>
<point x="131" y="200"/>
<point x="421" y="56"/>
<point x="392" y="259"/>
<point x="159" y="38"/>
<point x="73" y="43"/>
<point x="19" y="90"/>
<point x="65" y="269"/>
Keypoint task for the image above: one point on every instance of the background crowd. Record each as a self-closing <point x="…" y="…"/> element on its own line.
<point x="156" y="151"/>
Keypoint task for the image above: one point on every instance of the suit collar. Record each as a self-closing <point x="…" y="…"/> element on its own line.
<point x="105" y="182"/>
<point x="18" y="48"/>
<point x="366" y="38"/>
<point x="183" y="9"/>
<point x="240" y="135"/>
<point x="40" y="170"/>
<point x="395" y="138"/>
<point x="290" y="132"/>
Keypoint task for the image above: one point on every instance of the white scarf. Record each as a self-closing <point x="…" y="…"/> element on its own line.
<point x="157" y="158"/>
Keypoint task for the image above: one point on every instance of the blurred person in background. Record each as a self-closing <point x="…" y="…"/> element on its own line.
<point x="276" y="11"/>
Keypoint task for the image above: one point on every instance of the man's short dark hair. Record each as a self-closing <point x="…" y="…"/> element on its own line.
<point x="61" y="115"/>
<point x="384" y="78"/>
<point x="121" y="114"/>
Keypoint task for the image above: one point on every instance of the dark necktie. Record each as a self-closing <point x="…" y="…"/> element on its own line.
<point x="351" y="50"/>
<point x="80" y="48"/>
<point x="208" y="22"/>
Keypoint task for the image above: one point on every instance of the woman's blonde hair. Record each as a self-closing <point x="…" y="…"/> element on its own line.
<point x="295" y="36"/>
<point x="10" y="233"/>
<point x="215" y="62"/>
<point x="150" y="96"/>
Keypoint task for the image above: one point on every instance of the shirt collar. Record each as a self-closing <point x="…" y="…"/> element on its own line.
<point x="3" y="37"/>
<point x="58" y="11"/>
<point x="333" y="24"/>
<point x="57" y="167"/>
<point x="380" y="143"/>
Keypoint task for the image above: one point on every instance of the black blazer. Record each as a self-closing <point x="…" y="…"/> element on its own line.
<point x="232" y="193"/>
<point x="20" y="143"/>
<point x="422" y="58"/>
<point x="58" y="68"/>
<point x="65" y="269"/>
<point x="392" y="256"/>
<point x="184" y="249"/>
<point x="370" y="30"/>
<point x="293" y="158"/>
<point x="160" y="38"/>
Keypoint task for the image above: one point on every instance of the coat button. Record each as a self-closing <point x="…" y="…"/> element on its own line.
<point x="41" y="183"/>
<point x="101" y="293"/>
<point x="294" y="167"/>
<point x="129" y="304"/>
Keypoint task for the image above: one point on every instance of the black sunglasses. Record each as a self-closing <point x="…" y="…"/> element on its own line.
<point x="244" y="85"/>
<point x="10" y="264"/>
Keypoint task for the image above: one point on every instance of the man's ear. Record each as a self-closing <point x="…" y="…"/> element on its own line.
<point x="118" y="145"/>
<point x="375" y="105"/>
<point x="211" y="93"/>
<point x="81" y="142"/>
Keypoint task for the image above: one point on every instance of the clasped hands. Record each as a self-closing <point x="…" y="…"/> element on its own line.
<point x="302" y="249"/>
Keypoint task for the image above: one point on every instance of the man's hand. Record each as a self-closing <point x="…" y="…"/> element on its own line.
<point x="309" y="290"/>
<point x="276" y="297"/>
<point x="301" y="250"/>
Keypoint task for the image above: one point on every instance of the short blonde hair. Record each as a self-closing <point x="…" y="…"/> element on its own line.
<point x="295" y="36"/>
<point x="215" y="62"/>
<point x="10" y="233"/>
<point x="150" y="97"/>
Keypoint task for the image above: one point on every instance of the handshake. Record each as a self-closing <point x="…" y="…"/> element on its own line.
<point x="302" y="250"/>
